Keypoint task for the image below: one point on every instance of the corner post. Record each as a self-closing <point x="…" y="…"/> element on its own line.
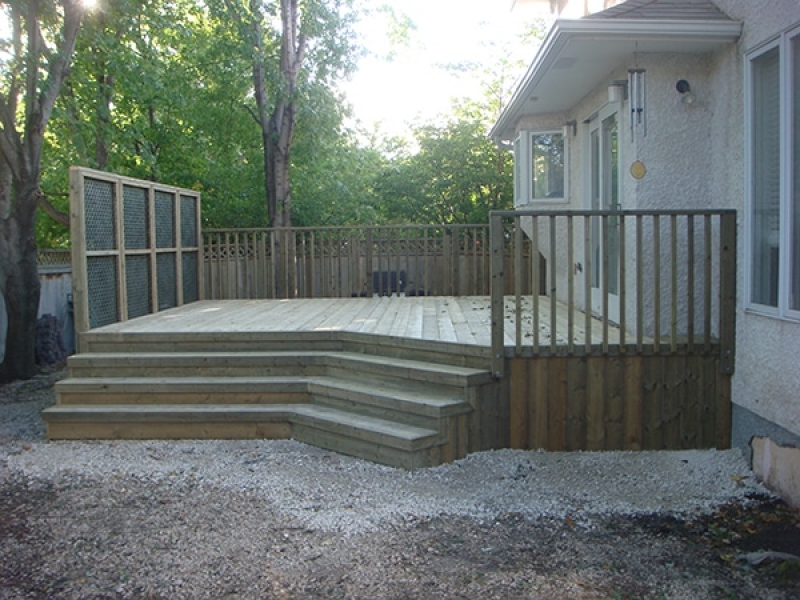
<point x="497" y="242"/>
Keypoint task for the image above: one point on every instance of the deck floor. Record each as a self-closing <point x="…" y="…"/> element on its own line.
<point x="460" y="320"/>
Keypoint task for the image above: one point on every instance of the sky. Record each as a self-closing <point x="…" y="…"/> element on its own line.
<point x="414" y="87"/>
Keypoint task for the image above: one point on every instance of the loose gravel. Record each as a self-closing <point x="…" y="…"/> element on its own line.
<point x="264" y="519"/>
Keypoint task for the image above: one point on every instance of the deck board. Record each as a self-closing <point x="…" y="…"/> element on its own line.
<point x="464" y="320"/>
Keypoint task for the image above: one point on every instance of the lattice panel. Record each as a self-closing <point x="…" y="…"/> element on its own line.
<point x="165" y="220"/>
<point x="138" y="285"/>
<point x="138" y="230"/>
<point x="167" y="290"/>
<point x="101" y="274"/>
<point x="188" y="221"/>
<point x="191" y="285"/>
<point x="99" y="211"/>
<point x="135" y="212"/>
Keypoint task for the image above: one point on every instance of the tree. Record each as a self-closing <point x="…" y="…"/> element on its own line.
<point x="43" y="37"/>
<point x="283" y="40"/>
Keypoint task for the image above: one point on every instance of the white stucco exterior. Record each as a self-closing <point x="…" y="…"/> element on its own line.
<point x="695" y="158"/>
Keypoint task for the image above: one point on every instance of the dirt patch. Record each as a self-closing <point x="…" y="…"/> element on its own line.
<point x="91" y="540"/>
<point x="284" y="520"/>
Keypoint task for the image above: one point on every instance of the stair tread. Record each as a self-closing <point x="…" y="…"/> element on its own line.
<point x="302" y="412"/>
<point x="415" y="394"/>
<point x="338" y="357"/>
<point x="357" y="421"/>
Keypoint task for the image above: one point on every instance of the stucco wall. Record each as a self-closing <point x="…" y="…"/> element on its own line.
<point x="676" y="152"/>
<point x="767" y="379"/>
<point x="695" y="159"/>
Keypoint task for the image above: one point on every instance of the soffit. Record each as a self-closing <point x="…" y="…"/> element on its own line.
<point x="579" y="55"/>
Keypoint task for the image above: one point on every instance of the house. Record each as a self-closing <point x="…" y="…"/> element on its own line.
<point x="654" y="104"/>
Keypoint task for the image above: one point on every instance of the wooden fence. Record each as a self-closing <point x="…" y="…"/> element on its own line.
<point x="135" y="247"/>
<point x="662" y="284"/>
<point x="441" y="260"/>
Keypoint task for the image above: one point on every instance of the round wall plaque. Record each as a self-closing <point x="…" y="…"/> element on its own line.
<point x="638" y="170"/>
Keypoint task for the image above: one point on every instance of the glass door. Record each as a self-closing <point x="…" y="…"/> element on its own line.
<point x="604" y="194"/>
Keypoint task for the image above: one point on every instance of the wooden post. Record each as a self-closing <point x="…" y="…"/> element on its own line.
<point x="497" y="291"/>
<point x="727" y="291"/>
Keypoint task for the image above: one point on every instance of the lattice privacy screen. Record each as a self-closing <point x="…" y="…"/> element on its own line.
<point x="135" y="247"/>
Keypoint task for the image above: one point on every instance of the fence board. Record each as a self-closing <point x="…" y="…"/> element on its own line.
<point x="342" y="262"/>
<point x="630" y="402"/>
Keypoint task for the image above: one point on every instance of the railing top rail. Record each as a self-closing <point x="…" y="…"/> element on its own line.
<point x="343" y="228"/>
<point x="612" y="213"/>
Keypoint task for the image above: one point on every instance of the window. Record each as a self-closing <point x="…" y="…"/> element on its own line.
<point x="539" y="167"/>
<point x="773" y="214"/>
<point x="547" y="165"/>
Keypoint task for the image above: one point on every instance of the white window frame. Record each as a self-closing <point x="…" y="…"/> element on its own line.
<point x="523" y="171"/>
<point x="783" y="43"/>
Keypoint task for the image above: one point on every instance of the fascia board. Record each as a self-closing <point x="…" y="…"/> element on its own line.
<point x="565" y="30"/>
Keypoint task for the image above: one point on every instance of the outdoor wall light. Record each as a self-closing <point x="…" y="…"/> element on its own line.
<point x="618" y="91"/>
<point x="570" y="127"/>
<point x="685" y="90"/>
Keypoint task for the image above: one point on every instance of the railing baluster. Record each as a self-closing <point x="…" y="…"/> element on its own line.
<point x="606" y="280"/>
<point x="657" y="283"/>
<point x="623" y="284"/>
<point x="690" y="299"/>
<point x="587" y="282"/>
<point x="639" y="283"/>
<point x="537" y="277"/>
<point x="707" y="283"/>
<point x="552" y="290"/>
<point x="570" y="286"/>
<point x="518" y="284"/>
<point x="673" y="333"/>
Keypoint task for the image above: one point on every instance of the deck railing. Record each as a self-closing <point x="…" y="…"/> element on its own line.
<point x="325" y="262"/>
<point x="616" y="282"/>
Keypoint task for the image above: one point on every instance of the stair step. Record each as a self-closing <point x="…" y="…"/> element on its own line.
<point x="170" y="413"/>
<point x="382" y="366"/>
<point x="182" y="390"/>
<point x="160" y="364"/>
<point x="370" y="429"/>
<point x="388" y="442"/>
<point x="425" y="400"/>
<point x="165" y="421"/>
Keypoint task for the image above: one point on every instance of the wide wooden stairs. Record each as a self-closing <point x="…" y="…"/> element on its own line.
<point x="377" y="401"/>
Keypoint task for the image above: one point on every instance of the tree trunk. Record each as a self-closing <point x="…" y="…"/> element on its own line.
<point x="20" y="164"/>
<point x="19" y="284"/>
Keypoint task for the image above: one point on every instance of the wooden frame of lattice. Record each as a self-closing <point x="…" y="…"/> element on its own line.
<point x="136" y="247"/>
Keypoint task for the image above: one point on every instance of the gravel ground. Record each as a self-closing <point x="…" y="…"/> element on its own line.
<point x="280" y="519"/>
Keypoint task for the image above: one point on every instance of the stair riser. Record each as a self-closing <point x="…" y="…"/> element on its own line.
<point x="367" y="450"/>
<point x="386" y="406"/>
<point x="268" y="366"/>
<point x="360" y="406"/>
<point x="442" y="353"/>
<point x="133" y="430"/>
<point x="99" y="397"/>
<point x="193" y="370"/>
<point x="379" y="374"/>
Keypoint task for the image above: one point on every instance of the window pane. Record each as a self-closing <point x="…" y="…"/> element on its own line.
<point x="547" y="157"/>
<point x="518" y="199"/>
<point x="794" y="259"/>
<point x="766" y="178"/>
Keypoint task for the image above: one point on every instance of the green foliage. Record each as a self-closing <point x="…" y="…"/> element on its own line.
<point x="458" y="175"/>
<point x="163" y="91"/>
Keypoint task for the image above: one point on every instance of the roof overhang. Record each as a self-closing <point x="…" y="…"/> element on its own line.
<point x="579" y="54"/>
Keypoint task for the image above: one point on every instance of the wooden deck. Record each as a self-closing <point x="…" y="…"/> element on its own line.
<point x="464" y="321"/>
<point x="406" y="381"/>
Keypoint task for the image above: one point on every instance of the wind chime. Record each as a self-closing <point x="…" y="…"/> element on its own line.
<point x="637" y="86"/>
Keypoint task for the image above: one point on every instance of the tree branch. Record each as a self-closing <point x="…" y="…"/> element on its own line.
<point x="57" y="215"/>
<point x="252" y="114"/>
<point x="59" y="68"/>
